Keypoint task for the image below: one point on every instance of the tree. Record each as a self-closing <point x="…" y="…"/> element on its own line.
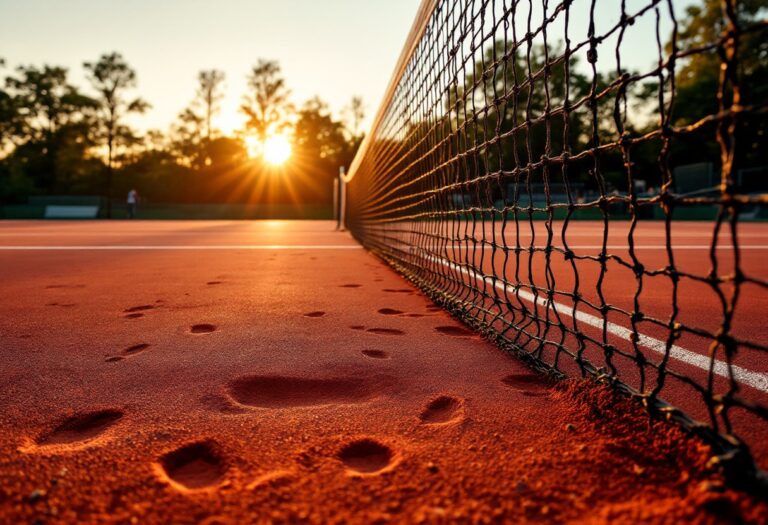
<point x="7" y="118"/>
<point x="111" y="77"/>
<point x="45" y="101"/>
<point x="186" y="138"/>
<point x="698" y="79"/>
<point x="154" y="140"/>
<point x="316" y="132"/>
<point x="49" y="120"/>
<point x="8" y="113"/>
<point x="266" y="106"/>
<point x="209" y="94"/>
<point x="354" y="114"/>
<point x="193" y="130"/>
<point x="321" y="147"/>
<point x="522" y="97"/>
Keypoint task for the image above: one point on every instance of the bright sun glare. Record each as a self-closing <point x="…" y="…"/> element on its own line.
<point x="277" y="149"/>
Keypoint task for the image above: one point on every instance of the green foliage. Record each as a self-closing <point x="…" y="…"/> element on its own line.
<point x="45" y="102"/>
<point x="698" y="80"/>
<point x="320" y="147"/>
<point x="53" y="136"/>
<point x="193" y="130"/>
<point x="187" y="138"/>
<point x="524" y="91"/>
<point x="522" y="99"/>
<point x="209" y="95"/>
<point x="266" y="105"/>
<point x="59" y="141"/>
<point x="317" y="135"/>
<point x="49" y="121"/>
<point x="111" y="77"/>
<point x="354" y="114"/>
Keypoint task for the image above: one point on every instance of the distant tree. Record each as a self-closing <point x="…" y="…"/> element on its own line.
<point x="317" y="133"/>
<point x="111" y="77"/>
<point x="698" y="79"/>
<point x="354" y="114"/>
<point x="209" y="94"/>
<point x="697" y="86"/>
<point x="49" y="121"/>
<point x="45" y="102"/>
<point x="154" y="140"/>
<point x="193" y="131"/>
<point x="186" y="138"/>
<point x="8" y="113"/>
<point x="321" y="146"/>
<point x="221" y="179"/>
<point x="520" y="101"/>
<point x="226" y="153"/>
<point x="266" y="105"/>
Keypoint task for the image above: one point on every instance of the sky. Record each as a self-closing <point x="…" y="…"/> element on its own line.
<point x="335" y="49"/>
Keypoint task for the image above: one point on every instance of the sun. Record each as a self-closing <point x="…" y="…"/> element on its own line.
<point x="252" y="146"/>
<point x="277" y="149"/>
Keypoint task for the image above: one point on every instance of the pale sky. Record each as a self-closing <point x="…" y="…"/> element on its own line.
<point x="335" y="49"/>
<point x="332" y="48"/>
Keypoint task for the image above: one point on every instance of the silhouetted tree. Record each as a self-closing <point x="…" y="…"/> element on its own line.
<point x="49" y="132"/>
<point x="45" y="101"/>
<point x="193" y="130"/>
<point x="317" y="133"/>
<point x="186" y="138"/>
<point x="111" y="77"/>
<point x="50" y="123"/>
<point x="354" y="114"/>
<point x="320" y="148"/>
<point x="266" y="105"/>
<point x="698" y="80"/>
<point x="8" y="114"/>
<point x="209" y="94"/>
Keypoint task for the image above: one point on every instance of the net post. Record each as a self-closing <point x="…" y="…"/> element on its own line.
<point x="342" y="193"/>
<point x="336" y="214"/>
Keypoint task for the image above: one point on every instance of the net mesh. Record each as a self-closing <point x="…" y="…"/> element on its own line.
<point x="531" y="169"/>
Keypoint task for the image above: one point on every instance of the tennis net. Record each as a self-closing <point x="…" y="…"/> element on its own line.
<point x="535" y="167"/>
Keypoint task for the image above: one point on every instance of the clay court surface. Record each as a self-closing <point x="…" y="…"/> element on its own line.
<point x="235" y="372"/>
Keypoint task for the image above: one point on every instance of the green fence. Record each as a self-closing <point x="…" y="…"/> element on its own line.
<point x="35" y="209"/>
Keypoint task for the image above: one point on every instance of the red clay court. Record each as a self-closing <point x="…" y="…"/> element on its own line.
<point x="547" y="306"/>
<point x="230" y="372"/>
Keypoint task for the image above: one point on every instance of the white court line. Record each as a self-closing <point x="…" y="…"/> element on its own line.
<point x="523" y="235"/>
<point x="184" y="247"/>
<point x="663" y="247"/>
<point x="624" y="234"/>
<point x="526" y="245"/>
<point x="149" y="233"/>
<point x="756" y="380"/>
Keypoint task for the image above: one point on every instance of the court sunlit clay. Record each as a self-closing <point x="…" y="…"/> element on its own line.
<point x="456" y="262"/>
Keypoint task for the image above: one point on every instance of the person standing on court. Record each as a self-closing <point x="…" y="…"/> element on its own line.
<point x="132" y="199"/>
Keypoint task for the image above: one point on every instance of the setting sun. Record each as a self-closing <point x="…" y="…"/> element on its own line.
<point x="277" y="149"/>
<point x="252" y="146"/>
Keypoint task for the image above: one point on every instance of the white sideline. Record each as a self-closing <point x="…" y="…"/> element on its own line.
<point x="756" y="380"/>
<point x="526" y="245"/>
<point x="663" y="247"/>
<point x="184" y="247"/>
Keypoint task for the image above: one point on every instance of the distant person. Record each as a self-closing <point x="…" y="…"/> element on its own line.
<point x="133" y="198"/>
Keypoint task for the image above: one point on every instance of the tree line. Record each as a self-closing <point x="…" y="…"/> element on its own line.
<point x="594" y="110"/>
<point x="57" y="138"/>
